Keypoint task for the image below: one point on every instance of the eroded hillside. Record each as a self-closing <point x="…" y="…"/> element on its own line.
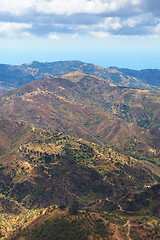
<point x="46" y="168"/>
<point x="92" y="109"/>
<point x="79" y="141"/>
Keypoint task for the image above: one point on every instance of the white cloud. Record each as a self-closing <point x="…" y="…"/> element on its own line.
<point x="115" y="24"/>
<point x="49" y="17"/>
<point x="53" y="36"/>
<point x="134" y="21"/>
<point x="111" y="23"/>
<point x="75" y="35"/>
<point x="100" y="34"/>
<point x="157" y="29"/>
<point x="8" y="29"/>
<point x="26" y="34"/>
<point x="19" y="7"/>
<point x="136" y="2"/>
<point x="79" y="6"/>
<point x="131" y="22"/>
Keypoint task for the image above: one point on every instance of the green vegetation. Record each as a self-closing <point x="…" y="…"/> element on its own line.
<point x="59" y="229"/>
<point x="102" y="182"/>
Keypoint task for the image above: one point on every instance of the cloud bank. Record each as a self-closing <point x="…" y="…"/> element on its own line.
<point x="100" y="18"/>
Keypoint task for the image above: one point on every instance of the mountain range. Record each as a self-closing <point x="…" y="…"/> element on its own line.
<point x="86" y="138"/>
<point x="14" y="76"/>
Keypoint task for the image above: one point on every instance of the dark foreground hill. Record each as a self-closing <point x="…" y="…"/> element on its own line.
<point x="44" y="170"/>
<point x="71" y="223"/>
<point x="16" y="76"/>
<point x="147" y="200"/>
<point x="44" y="167"/>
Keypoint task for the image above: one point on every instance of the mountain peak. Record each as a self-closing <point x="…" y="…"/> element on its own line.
<point x="74" y="76"/>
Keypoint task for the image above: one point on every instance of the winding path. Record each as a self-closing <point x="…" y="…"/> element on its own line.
<point x="129" y="228"/>
<point x="116" y="234"/>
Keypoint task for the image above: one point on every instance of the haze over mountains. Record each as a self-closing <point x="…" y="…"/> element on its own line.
<point x="15" y="76"/>
<point x="82" y="139"/>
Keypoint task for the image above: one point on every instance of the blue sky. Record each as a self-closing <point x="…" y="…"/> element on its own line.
<point x="123" y="33"/>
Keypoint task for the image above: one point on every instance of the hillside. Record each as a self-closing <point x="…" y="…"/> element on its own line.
<point x="147" y="200"/>
<point x="92" y="109"/>
<point x="16" y="76"/>
<point x="73" y="168"/>
<point x="79" y="155"/>
<point x="12" y="77"/>
<point x="64" y="223"/>
<point x="39" y="70"/>
<point x="47" y="168"/>
<point x="148" y="76"/>
<point x="11" y="134"/>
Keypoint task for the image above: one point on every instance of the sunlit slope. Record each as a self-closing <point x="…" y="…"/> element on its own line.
<point x="90" y="108"/>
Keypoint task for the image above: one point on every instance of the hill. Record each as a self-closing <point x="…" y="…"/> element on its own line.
<point x="46" y="168"/>
<point x="11" y="134"/>
<point x="90" y="108"/>
<point x="16" y="76"/>
<point x="58" y="223"/>
<point x="148" y="76"/>
<point x="79" y="141"/>
<point x="147" y="200"/>
<point x="12" y="77"/>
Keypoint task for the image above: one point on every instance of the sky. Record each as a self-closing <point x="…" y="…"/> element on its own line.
<point x="122" y="33"/>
